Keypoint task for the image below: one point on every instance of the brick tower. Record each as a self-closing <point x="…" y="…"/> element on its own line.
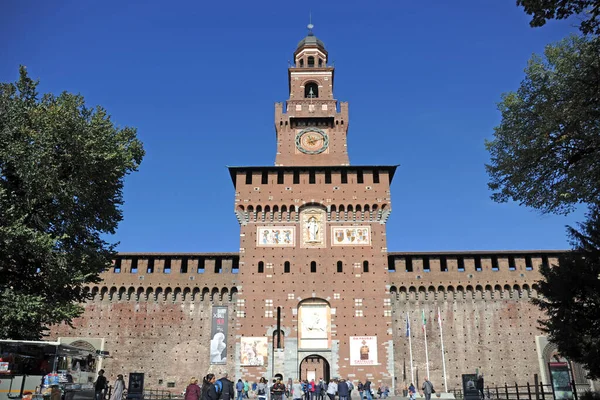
<point x="313" y="300"/>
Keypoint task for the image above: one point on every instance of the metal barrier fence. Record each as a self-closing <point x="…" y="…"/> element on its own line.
<point x="523" y="392"/>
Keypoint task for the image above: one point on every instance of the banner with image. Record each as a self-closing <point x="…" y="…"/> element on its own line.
<point x="253" y="351"/>
<point x="363" y="350"/>
<point x="218" y="334"/>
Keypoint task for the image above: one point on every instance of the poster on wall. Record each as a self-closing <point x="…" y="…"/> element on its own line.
<point x="276" y="236"/>
<point x="218" y="334"/>
<point x="561" y="380"/>
<point x="253" y="351"/>
<point x="363" y="350"/>
<point x="351" y="236"/>
<point x="315" y="328"/>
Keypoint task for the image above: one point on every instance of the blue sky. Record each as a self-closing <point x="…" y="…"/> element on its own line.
<point x="199" y="79"/>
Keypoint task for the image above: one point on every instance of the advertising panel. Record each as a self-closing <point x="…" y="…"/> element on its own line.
<point x="253" y="351"/>
<point x="218" y="333"/>
<point x="363" y="350"/>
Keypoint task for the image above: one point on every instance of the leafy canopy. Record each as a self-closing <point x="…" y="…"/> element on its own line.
<point x="546" y="151"/>
<point x="571" y="299"/>
<point x="62" y="167"/>
<point x="588" y="11"/>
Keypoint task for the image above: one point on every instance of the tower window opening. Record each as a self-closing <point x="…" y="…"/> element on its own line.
<point x="426" y="266"/>
<point x="280" y="177"/>
<point x="375" y="176"/>
<point x="359" y="177"/>
<point x="311" y="61"/>
<point x="261" y="267"/>
<point x="313" y="266"/>
<point x="461" y="264"/>
<point x="495" y="264"/>
<point x="344" y="177"/>
<point x="117" y="266"/>
<point x="512" y="266"/>
<point x="320" y="62"/>
<point x="311" y="90"/>
<point x="235" y="265"/>
<point x="286" y="267"/>
<point x="200" y="269"/>
<point x="265" y="178"/>
<point x="248" y="178"/>
<point x="409" y="264"/>
<point x="218" y="266"/>
<point x="134" y="265"/>
<point x="478" y="264"/>
<point x="184" y="265"/>
<point x="443" y="264"/>
<point x="545" y="261"/>
<point x="296" y="177"/>
<point x="528" y="264"/>
<point x="302" y="63"/>
<point x="150" y="268"/>
<point x="311" y="177"/>
<point x="327" y="176"/>
<point x="167" y="267"/>
<point x="340" y="266"/>
<point x="365" y="266"/>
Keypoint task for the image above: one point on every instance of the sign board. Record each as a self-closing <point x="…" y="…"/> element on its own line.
<point x="218" y="334"/>
<point x="561" y="380"/>
<point x="135" y="388"/>
<point x="363" y="350"/>
<point x="470" y="387"/>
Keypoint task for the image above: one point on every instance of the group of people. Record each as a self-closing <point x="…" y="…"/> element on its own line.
<point x="225" y="389"/>
<point x="427" y="389"/>
<point x="101" y="387"/>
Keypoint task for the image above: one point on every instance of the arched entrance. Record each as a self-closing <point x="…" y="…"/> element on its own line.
<point x="314" y="367"/>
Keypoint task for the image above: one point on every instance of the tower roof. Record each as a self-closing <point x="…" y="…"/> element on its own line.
<point x="310" y="41"/>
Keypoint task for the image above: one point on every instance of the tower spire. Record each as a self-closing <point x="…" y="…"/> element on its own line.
<point x="310" y="25"/>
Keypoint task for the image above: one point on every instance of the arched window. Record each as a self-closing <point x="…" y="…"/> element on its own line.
<point x="320" y="62"/>
<point x="302" y="63"/>
<point x="340" y="266"/>
<point x="261" y="267"/>
<point x="313" y="266"/>
<point x="311" y="90"/>
<point x="286" y="267"/>
<point x="365" y="266"/>
<point x="311" y="61"/>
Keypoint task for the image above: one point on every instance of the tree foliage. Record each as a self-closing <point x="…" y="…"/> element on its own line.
<point x="62" y="167"/>
<point x="571" y="297"/>
<point x="543" y="10"/>
<point x="546" y="151"/>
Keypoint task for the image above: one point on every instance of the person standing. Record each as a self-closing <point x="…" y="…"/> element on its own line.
<point x="480" y="386"/>
<point x="262" y="389"/>
<point x="246" y="388"/>
<point x="100" y="385"/>
<point x="350" y="388"/>
<point x="278" y="390"/>
<point x="427" y="388"/>
<point x="360" y="389"/>
<point x="297" y="392"/>
<point x="342" y="389"/>
<point x="239" y="387"/>
<point x="209" y="391"/>
<point x="226" y="388"/>
<point x="367" y="389"/>
<point x="119" y="387"/>
<point x="331" y="389"/>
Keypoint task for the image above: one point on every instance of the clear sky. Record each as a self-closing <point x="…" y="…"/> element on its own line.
<point x="199" y="79"/>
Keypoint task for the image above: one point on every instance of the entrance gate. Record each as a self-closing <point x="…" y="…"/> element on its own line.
<point x="314" y="367"/>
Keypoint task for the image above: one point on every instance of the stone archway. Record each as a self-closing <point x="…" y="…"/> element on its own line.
<point x="314" y="367"/>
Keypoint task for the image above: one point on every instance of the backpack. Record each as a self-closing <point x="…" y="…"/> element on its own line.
<point x="219" y="387"/>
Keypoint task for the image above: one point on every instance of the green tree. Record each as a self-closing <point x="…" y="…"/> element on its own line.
<point x="571" y="297"/>
<point x="588" y="11"/>
<point x="545" y="152"/>
<point x="62" y="167"/>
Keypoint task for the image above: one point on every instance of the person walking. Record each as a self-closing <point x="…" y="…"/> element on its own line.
<point x="367" y="389"/>
<point x="350" y="388"/>
<point x="226" y="388"/>
<point x="480" y="386"/>
<point x="427" y="388"/>
<point x="209" y="391"/>
<point x="100" y="386"/>
<point x="412" y="391"/>
<point x="119" y="387"/>
<point x="192" y="391"/>
<point x="262" y="389"/>
<point x="239" y="387"/>
<point x="360" y="388"/>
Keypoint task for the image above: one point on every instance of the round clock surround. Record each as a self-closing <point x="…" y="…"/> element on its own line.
<point x="312" y="141"/>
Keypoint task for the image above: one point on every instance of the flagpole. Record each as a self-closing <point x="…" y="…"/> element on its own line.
<point x="443" y="355"/>
<point x="426" y="353"/>
<point x="412" y="371"/>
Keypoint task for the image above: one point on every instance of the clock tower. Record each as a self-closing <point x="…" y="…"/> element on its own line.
<point x="313" y="295"/>
<point x="311" y="128"/>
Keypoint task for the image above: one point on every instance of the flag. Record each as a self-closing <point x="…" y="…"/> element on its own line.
<point x="407" y="327"/>
<point x="424" y="321"/>
<point x="439" y="318"/>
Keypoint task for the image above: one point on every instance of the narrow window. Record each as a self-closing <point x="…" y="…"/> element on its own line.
<point x="117" y="266"/>
<point x="545" y="261"/>
<point x="409" y="264"/>
<point x="248" y="178"/>
<point x="296" y="177"/>
<point x="313" y="266"/>
<point x="280" y="177"/>
<point x="311" y="177"/>
<point x="286" y="267"/>
<point x="327" y="176"/>
<point x="528" y="263"/>
<point x="301" y="63"/>
<point x="512" y="266"/>
<point x="365" y="266"/>
<point x="201" y="265"/>
<point x="426" y="267"/>
<point x="265" y="178"/>
<point x="218" y="265"/>
<point x="340" y="266"/>
<point x="461" y="264"/>
<point x="235" y="265"/>
<point x="167" y="267"/>
<point x="495" y="263"/>
<point x="134" y="265"/>
<point x="311" y="90"/>
<point x="311" y="61"/>
<point x="375" y="176"/>
<point x="478" y="264"/>
<point x="443" y="264"/>
<point x="344" y="177"/>
<point x="320" y="62"/>
<point x="261" y="267"/>
<point x="359" y="177"/>
<point x="150" y="269"/>
<point x="184" y="265"/>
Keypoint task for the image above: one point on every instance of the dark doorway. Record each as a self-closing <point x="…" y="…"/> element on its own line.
<point x="314" y="366"/>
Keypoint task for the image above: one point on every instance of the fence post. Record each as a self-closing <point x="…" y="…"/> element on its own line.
<point x="528" y="390"/>
<point x="497" y="394"/>
<point x="543" y="391"/>
<point x="517" y="388"/>
<point x="536" y="383"/>
<point x="506" y="390"/>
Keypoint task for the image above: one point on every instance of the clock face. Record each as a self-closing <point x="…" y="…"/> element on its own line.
<point x="312" y="141"/>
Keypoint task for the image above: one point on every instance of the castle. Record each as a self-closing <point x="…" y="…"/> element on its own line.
<point x="314" y="291"/>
